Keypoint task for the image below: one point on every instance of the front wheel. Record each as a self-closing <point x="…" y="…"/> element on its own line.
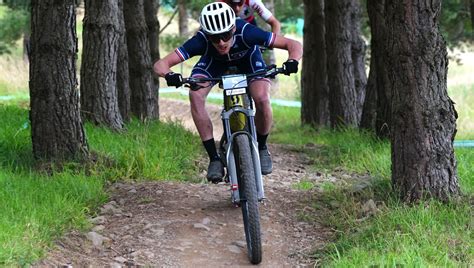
<point x="249" y="198"/>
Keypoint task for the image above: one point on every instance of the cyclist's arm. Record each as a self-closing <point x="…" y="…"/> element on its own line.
<point x="197" y="45"/>
<point x="266" y="15"/>
<point x="275" y="24"/>
<point x="162" y="67"/>
<point x="294" y="48"/>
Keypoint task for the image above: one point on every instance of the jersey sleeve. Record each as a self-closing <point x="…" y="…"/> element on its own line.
<point x="197" y="45"/>
<point x="252" y="35"/>
<point x="261" y="10"/>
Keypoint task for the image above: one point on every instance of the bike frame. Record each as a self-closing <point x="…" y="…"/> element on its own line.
<point x="238" y="107"/>
<point x="235" y="89"/>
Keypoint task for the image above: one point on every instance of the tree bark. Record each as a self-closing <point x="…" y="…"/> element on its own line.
<point x="314" y="84"/>
<point x="376" y="115"/>
<point x="99" y="64"/>
<point x="423" y="115"/>
<point x="270" y="54"/>
<point x="153" y="25"/>
<point x="183" y="18"/>
<point x="123" y="78"/>
<point x="358" y="55"/>
<point x="144" y="98"/>
<point x="343" y="98"/>
<point x="56" y="128"/>
<point x="472" y="15"/>
<point x="369" y="111"/>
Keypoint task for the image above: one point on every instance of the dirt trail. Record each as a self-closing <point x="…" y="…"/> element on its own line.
<point x="170" y="224"/>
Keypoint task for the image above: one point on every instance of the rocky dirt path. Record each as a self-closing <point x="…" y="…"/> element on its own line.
<point x="170" y="224"/>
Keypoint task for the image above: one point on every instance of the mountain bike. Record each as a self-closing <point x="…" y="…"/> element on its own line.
<point x="239" y="150"/>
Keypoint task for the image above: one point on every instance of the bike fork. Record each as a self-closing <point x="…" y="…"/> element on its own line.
<point x="232" y="169"/>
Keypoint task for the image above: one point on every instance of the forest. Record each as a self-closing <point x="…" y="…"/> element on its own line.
<point x="372" y="137"/>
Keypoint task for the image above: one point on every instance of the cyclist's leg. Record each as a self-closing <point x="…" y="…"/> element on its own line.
<point x="206" y="67"/>
<point x="259" y="89"/>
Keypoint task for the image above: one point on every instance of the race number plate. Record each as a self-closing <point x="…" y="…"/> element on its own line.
<point x="234" y="81"/>
<point x="232" y="92"/>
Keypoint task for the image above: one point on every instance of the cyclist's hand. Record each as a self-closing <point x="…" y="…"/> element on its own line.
<point x="174" y="79"/>
<point x="290" y="67"/>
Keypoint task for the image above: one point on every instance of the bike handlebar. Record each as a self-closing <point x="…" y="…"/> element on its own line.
<point x="271" y="71"/>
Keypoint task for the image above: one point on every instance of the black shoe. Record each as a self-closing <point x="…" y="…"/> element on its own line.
<point x="215" y="171"/>
<point x="265" y="162"/>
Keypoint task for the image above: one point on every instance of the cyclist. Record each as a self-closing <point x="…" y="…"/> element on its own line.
<point x="224" y="41"/>
<point x="245" y="10"/>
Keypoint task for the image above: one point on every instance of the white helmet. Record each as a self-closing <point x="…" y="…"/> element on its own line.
<point x="216" y="18"/>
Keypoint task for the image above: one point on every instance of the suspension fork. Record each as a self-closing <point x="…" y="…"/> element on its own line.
<point x="230" y="156"/>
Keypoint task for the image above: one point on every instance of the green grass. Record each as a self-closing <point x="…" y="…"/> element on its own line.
<point x="354" y="150"/>
<point x="463" y="97"/>
<point x="423" y="235"/>
<point x="152" y="151"/>
<point x="465" y="160"/>
<point x="36" y="208"/>
<point x="304" y="185"/>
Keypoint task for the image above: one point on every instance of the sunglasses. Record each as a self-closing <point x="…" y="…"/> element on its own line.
<point x="216" y="38"/>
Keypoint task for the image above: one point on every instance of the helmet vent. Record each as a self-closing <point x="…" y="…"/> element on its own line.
<point x="216" y="18"/>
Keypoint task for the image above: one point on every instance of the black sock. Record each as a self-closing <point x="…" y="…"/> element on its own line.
<point x="211" y="150"/>
<point x="262" y="141"/>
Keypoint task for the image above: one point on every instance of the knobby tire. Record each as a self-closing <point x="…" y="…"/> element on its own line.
<point x="249" y="198"/>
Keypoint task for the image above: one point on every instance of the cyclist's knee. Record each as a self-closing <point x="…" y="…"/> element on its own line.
<point x="261" y="95"/>
<point x="262" y="102"/>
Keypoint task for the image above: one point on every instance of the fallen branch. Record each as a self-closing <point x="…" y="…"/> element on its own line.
<point x="169" y="21"/>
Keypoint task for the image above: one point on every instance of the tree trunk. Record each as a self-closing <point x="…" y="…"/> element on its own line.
<point x="376" y="114"/>
<point x="314" y="84"/>
<point x="183" y="18"/>
<point x="423" y="115"/>
<point x="153" y="25"/>
<point x="369" y="111"/>
<point x="383" y="122"/>
<point x="151" y="17"/>
<point x="269" y="55"/>
<point x="343" y="98"/>
<point x="472" y="15"/>
<point x="144" y="98"/>
<point x="99" y="64"/>
<point x="358" y="55"/>
<point x="56" y="128"/>
<point x="123" y="80"/>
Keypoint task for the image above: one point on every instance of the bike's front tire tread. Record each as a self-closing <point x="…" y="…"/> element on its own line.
<point x="248" y="189"/>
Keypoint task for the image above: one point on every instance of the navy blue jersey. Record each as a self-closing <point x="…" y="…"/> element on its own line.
<point x="246" y="38"/>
